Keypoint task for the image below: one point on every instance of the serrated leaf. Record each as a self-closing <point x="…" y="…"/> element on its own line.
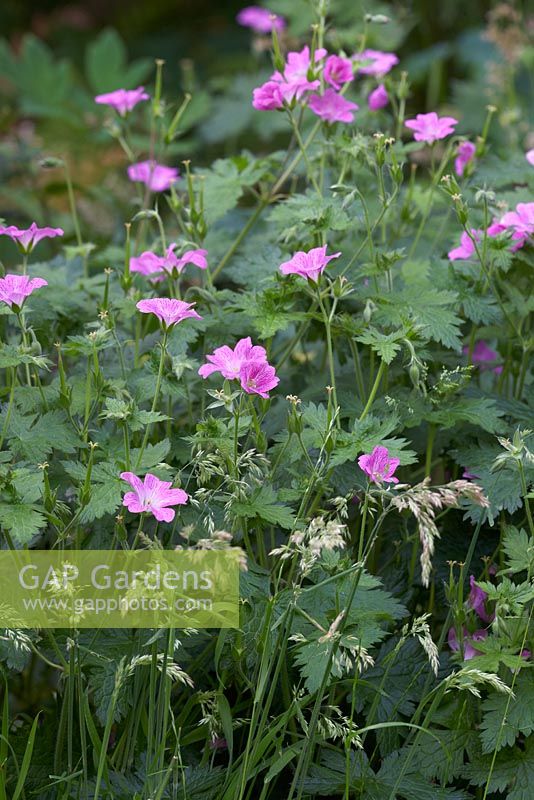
<point x="22" y="521"/>
<point x="386" y="345"/>
<point x="263" y="504"/>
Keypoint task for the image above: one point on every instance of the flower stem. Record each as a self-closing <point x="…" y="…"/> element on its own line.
<point x="156" y="397"/>
<point x="374" y="390"/>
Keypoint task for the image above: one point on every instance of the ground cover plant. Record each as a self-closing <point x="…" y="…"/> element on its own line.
<point x="316" y="349"/>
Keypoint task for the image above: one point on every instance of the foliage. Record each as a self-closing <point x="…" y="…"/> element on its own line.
<point x="376" y="474"/>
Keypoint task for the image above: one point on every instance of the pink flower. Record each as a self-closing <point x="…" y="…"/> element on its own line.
<point x="483" y="355"/>
<point x="477" y="601"/>
<point x="308" y="265"/>
<point x="169" y="311"/>
<point x="261" y="20"/>
<point x="295" y="80"/>
<point x="258" y="377"/>
<point x="529" y="155"/>
<point x="332" y="107"/>
<point x="26" y="239"/>
<point x="468" y="642"/>
<point x="375" y="62"/>
<point x="464" y="155"/>
<point x="429" y="127"/>
<point x="467" y="246"/>
<point x="378" y="466"/>
<point x="196" y="257"/>
<point x="157" y="177"/>
<point x="149" y="264"/>
<point x="268" y="96"/>
<point x="521" y="221"/>
<point x="337" y="71"/>
<point x="229" y="362"/>
<point x="153" y="496"/>
<point x="378" y="98"/>
<point x="469" y="476"/>
<point x="123" y="100"/>
<point x="14" y="289"/>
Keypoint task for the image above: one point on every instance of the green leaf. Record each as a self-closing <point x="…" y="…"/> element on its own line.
<point x="34" y="437"/>
<point x="224" y="184"/>
<point x="479" y="411"/>
<point x="519" y="551"/>
<point x="154" y="454"/>
<point x="513" y="771"/>
<point x="504" y="718"/>
<point x="386" y="345"/>
<point x="263" y="504"/>
<point x="106" y="64"/>
<point x="22" y="521"/>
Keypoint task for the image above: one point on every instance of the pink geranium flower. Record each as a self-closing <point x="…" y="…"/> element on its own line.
<point x="332" y="107"/>
<point x="156" y="176"/>
<point x="378" y="466"/>
<point x="14" y="289"/>
<point x="477" y="601"/>
<point x="123" y="100"/>
<point x="468" y="642"/>
<point x="195" y="257"/>
<point x="308" y="265"/>
<point x="152" y="265"/>
<point x="375" y="62"/>
<point x="484" y="357"/>
<point x="27" y="238"/>
<point x="464" y="155"/>
<point x="378" y="98"/>
<point x="429" y="127"/>
<point x="466" y="248"/>
<point x="261" y="20"/>
<point x="295" y="79"/>
<point x="337" y="71"/>
<point x="152" y="496"/>
<point x="168" y="310"/>
<point x="529" y="155"/>
<point x="520" y="221"/>
<point x="268" y="96"/>
<point x="148" y="264"/>
<point x="229" y="362"/>
<point x="258" y="377"/>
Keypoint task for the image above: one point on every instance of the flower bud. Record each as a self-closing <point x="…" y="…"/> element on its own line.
<point x="368" y="311"/>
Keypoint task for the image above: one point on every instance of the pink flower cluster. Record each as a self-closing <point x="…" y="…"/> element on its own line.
<point x="153" y="266"/>
<point x="246" y="363"/>
<point x="520" y="222"/>
<point x="301" y="76"/>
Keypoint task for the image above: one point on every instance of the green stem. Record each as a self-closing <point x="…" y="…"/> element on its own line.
<point x="156" y="396"/>
<point x="374" y="390"/>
